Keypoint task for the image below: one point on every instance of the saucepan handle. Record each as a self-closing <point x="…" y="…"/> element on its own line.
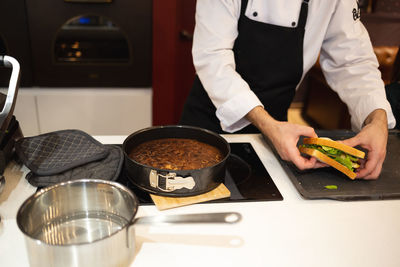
<point x="224" y="217"/>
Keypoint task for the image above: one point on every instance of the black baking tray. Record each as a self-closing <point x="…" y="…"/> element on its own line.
<point x="312" y="184"/>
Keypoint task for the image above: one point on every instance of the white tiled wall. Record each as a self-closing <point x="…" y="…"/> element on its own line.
<point x="97" y="111"/>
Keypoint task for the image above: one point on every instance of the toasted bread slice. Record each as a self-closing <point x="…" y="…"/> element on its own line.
<point x="324" y="158"/>
<point x="327" y="142"/>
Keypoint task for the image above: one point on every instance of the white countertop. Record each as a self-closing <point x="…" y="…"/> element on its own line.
<point x="292" y="232"/>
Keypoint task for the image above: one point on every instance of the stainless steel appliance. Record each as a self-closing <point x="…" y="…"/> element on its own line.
<point x="9" y="126"/>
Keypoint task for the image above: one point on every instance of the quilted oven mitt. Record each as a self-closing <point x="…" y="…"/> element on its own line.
<point x="68" y="155"/>
<point x="55" y="152"/>
<point x="108" y="168"/>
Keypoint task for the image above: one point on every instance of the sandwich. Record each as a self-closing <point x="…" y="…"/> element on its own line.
<point x="340" y="156"/>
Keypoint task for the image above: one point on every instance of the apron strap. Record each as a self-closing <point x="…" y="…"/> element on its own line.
<point x="303" y="15"/>
<point x="243" y="7"/>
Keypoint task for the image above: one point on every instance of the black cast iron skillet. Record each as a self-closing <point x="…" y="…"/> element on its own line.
<point x="177" y="183"/>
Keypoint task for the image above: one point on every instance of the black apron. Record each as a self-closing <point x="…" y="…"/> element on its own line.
<point x="269" y="58"/>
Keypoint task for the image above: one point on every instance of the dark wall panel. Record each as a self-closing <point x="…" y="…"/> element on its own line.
<point x="14" y="40"/>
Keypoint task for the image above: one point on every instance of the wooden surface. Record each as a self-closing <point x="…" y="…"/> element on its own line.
<point x="164" y="203"/>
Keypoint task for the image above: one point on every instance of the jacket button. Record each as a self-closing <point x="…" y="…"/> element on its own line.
<point x="255" y="14"/>
<point x="293" y="23"/>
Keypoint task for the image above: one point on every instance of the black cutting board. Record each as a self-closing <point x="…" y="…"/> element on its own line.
<point x="311" y="184"/>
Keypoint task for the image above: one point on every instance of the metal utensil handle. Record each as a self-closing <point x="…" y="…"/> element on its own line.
<point x="225" y="217"/>
<point x="2" y="183"/>
<point x="10" y="62"/>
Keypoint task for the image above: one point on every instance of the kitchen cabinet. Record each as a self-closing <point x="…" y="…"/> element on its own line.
<point x="105" y="111"/>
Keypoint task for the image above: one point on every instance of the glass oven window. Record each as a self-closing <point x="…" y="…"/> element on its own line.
<point x="91" y="39"/>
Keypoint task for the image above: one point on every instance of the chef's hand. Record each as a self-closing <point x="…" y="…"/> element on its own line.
<point x="373" y="137"/>
<point x="284" y="136"/>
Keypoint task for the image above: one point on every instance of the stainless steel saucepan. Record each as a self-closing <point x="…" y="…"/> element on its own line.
<point x="90" y="223"/>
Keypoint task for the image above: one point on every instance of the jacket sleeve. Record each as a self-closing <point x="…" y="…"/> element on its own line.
<point x="350" y="65"/>
<point x="214" y="36"/>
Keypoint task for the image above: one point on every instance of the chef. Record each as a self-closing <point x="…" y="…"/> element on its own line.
<point x="251" y="55"/>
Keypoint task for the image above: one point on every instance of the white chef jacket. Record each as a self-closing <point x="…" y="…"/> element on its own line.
<point x="346" y="55"/>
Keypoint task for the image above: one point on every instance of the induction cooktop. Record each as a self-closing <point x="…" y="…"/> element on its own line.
<point x="245" y="177"/>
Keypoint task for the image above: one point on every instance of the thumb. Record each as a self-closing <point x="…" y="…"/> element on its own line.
<point x="307" y="131"/>
<point x="354" y="141"/>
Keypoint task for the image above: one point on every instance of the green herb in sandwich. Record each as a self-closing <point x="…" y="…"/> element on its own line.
<point x="336" y="154"/>
<point x="343" y="158"/>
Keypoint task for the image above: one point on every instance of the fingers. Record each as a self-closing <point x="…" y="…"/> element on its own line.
<point x="285" y="138"/>
<point x="319" y="164"/>
<point x="304" y="163"/>
<point x="301" y="162"/>
<point x="373" y="167"/>
<point x="375" y="174"/>
<point x="308" y="163"/>
<point x="376" y="156"/>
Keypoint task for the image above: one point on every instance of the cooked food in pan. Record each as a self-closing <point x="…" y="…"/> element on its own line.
<point x="340" y="156"/>
<point x="176" y="154"/>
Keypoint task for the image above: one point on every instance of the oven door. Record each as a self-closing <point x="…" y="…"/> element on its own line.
<point x="91" y="44"/>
